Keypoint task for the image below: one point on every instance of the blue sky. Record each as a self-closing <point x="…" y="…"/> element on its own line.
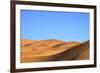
<point x="66" y="26"/>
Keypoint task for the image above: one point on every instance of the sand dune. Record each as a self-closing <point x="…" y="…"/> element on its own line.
<point x="26" y="42"/>
<point x="79" y="52"/>
<point x="50" y="50"/>
<point x="83" y="52"/>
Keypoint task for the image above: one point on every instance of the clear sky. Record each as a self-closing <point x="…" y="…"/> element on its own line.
<point x="66" y="26"/>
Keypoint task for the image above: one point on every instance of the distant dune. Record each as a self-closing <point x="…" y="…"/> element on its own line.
<point x="52" y="50"/>
<point x="25" y="42"/>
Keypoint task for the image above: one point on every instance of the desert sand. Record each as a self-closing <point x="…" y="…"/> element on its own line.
<point x="53" y="50"/>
